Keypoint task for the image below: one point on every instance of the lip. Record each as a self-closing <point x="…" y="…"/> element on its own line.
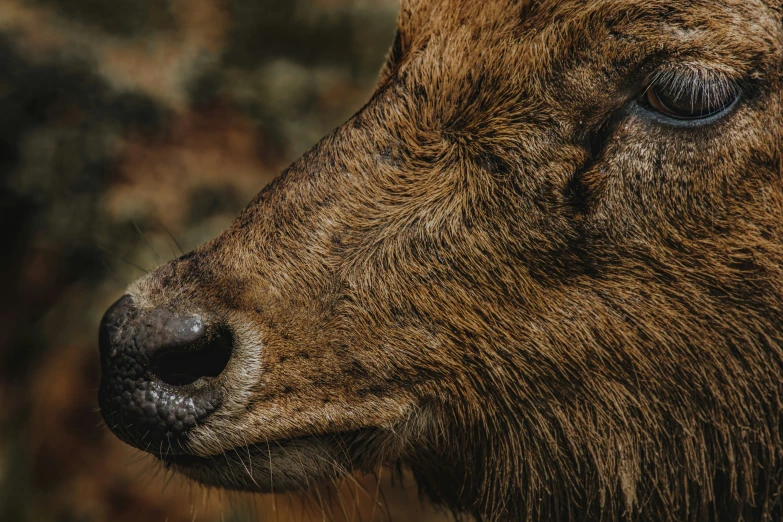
<point x="190" y="460"/>
<point x="183" y="459"/>
<point x="186" y="460"/>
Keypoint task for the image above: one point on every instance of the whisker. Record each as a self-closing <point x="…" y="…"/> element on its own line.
<point x="174" y="239"/>
<point x="378" y="478"/>
<point x="154" y="252"/>
<point x="124" y="260"/>
<point x="271" y="480"/>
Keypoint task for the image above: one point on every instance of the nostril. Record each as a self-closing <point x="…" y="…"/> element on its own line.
<point x="204" y="359"/>
<point x="175" y="349"/>
<point x="148" y="359"/>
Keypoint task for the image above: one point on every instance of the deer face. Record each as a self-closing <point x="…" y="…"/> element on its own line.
<point x="551" y="239"/>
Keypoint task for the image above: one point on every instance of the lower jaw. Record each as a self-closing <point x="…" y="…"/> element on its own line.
<point x="280" y="465"/>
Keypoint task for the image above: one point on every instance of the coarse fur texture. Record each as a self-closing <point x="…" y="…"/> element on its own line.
<point x="510" y="275"/>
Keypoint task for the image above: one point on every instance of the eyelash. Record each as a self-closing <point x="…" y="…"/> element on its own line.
<point x="712" y="93"/>
<point x="696" y="80"/>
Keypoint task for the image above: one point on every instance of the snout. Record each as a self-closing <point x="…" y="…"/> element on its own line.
<point x="160" y="374"/>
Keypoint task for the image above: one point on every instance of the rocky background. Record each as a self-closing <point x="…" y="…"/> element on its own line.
<point x="131" y="131"/>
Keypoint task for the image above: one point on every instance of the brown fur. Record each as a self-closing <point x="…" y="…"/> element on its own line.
<point x="504" y="275"/>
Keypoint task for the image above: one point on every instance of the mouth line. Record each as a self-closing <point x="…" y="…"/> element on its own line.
<point x="182" y="459"/>
<point x="190" y="460"/>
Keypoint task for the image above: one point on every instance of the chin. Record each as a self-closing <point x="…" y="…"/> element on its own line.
<point x="279" y="465"/>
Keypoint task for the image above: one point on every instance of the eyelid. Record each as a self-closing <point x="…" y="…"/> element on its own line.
<point x="707" y="86"/>
<point x="693" y="77"/>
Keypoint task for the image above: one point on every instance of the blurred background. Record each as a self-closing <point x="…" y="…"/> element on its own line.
<point x="131" y="131"/>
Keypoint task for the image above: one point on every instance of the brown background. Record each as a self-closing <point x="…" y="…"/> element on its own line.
<point x="131" y="130"/>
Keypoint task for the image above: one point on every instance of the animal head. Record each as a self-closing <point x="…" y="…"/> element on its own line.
<point x="541" y="268"/>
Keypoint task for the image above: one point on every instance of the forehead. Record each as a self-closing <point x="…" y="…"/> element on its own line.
<point x="725" y="22"/>
<point x="543" y="13"/>
<point x="741" y="38"/>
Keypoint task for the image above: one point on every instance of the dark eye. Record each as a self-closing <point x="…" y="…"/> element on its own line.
<point x="690" y="99"/>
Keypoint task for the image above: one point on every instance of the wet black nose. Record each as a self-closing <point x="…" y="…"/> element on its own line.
<point x="158" y="374"/>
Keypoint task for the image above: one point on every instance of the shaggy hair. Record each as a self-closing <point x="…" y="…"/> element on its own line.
<point x="514" y="276"/>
